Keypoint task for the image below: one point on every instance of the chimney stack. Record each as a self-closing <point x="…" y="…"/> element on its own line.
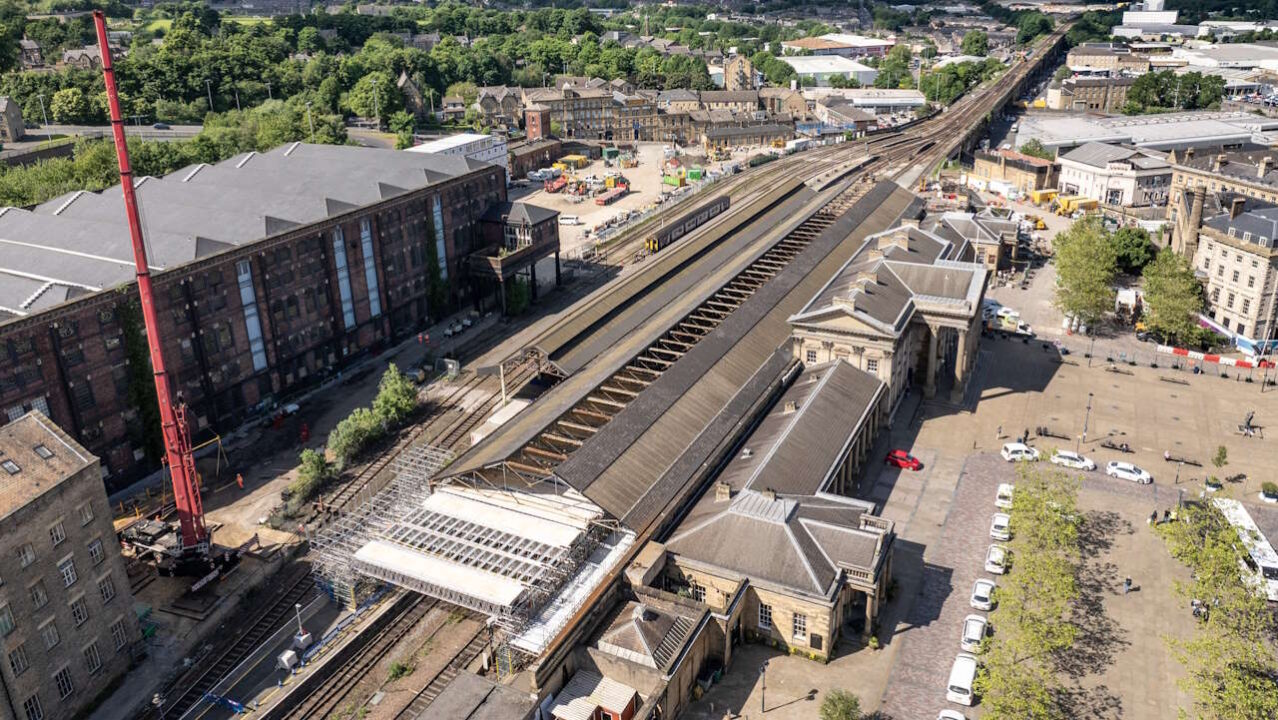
<point x="1266" y="165"/>
<point x="722" y="491"/>
<point x="790" y="406"/>
<point x="769" y="494"/>
<point x="1189" y="154"/>
<point x="1218" y="162"/>
<point x="1236" y="207"/>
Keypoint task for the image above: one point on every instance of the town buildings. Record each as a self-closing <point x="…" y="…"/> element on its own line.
<point x="850" y="46"/>
<point x="739" y="74"/>
<point x="1116" y="175"/>
<point x="66" y="613"/>
<point x="30" y="54"/>
<point x="1003" y="171"/>
<point x="1100" y="94"/>
<point x="1165" y="131"/>
<point x="476" y="146"/>
<point x="272" y="271"/>
<point x="817" y="70"/>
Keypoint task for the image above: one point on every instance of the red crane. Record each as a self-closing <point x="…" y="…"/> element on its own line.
<point x="194" y="537"/>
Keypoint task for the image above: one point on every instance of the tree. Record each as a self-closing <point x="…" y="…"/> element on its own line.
<point x="1086" y="263"/>
<point x="1061" y="73"/>
<point x="71" y="106"/>
<point x="313" y="473"/>
<point x="353" y="434"/>
<point x="1221" y="458"/>
<point x="975" y="42"/>
<point x="840" y="705"/>
<point x="375" y="95"/>
<point x="309" y="40"/>
<point x="1173" y="296"/>
<point x="1134" y="249"/>
<point x="894" y="69"/>
<point x="396" y="397"/>
<point x="1035" y="148"/>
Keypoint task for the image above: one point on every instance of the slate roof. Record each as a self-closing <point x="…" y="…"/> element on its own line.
<point x="1239" y="164"/>
<point x="472" y="697"/>
<point x="1256" y="224"/>
<point x="650" y="632"/>
<point x="519" y="213"/>
<point x="79" y="242"/>
<point x="1100" y="155"/>
<point x="730" y="96"/>
<point x="586" y="692"/>
<point x="976" y="228"/>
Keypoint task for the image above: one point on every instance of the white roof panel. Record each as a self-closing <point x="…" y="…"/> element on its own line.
<point x="432" y="570"/>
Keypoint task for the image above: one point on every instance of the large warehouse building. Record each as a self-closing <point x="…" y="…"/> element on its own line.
<point x="272" y="270"/>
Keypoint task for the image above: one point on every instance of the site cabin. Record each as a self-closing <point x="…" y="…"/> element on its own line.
<point x="1045" y="195"/>
<point x="612" y="195"/>
<point x="575" y="162"/>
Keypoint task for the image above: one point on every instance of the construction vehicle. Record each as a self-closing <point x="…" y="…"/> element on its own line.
<point x="188" y="548"/>
<point x="554" y="186"/>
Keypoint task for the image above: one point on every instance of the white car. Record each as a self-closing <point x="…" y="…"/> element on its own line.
<point x="962" y="677"/>
<point x="1127" y="471"/>
<point x="1001" y="527"/>
<point x="1003" y="499"/>
<point x="974" y="629"/>
<point x="950" y="715"/>
<point x="1019" y="452"/>
<point x="996" y="559"/>
<point x="1023" y="328"/>
<point x="1009" y="313"/>
<point x="983" y="594"/>
<point x="1073" y="460"/>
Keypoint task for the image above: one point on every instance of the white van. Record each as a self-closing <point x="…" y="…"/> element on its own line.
<point x="569" y="220"/>
<point x="962" y="675"/>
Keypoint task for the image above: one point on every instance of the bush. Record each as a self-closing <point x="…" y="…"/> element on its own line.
<point x="396" y="397"/>
<point x="1270" y="489"/>
<point x="354" y="434"/>
<point x="840" y="705"/>
<point x="399" y="669"/>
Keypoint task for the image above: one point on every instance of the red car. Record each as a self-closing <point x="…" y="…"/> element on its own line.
<point x="902" y="459"/>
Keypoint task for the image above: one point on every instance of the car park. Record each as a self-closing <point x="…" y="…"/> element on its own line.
<point x="1018" y="452"/>
<point x="1003" y="498"/>
<point x="1069" y="459"/>
<point x="996" y="559"/>
<point x="974" y="629"/>
<point x="1127" y="471"/>
<point x="1001" y="527"/>
<point x="904" y="460"/>
<point x="962" y="676"/>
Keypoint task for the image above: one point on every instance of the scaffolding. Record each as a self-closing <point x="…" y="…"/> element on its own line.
<point x="335" y="545"/>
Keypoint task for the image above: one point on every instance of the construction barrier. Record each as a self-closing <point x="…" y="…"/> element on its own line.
<point x="1217" y="359"/>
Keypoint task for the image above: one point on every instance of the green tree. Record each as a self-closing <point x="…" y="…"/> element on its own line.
<point x="1035" y="148"/>
<point x="1221" y="458"/>
<point x="1173" y="296"/>
<point x="309" y="40"/>
<point x="354" y="433"/>
<point x="840" y="705"/>
<point x="396" y="397"/>
<point x="1086" y="263"/>
<point x="375" y="94"/>
<point x="894" y="69"/>
<point x="1134" y="249"/>
<point x="71" y="106"/>
<point x="314" y="471"/>
<point x="1061" y="73"/>
<point x="975" y="42"/>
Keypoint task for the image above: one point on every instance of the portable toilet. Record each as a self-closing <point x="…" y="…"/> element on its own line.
<point x="287" y="660"/>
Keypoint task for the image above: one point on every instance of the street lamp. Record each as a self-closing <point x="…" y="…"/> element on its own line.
<point x="309" y="121"/>
<point x="48" y="134"/>
<point x="1086" y="419"/>
<point x="269" y="96"/>
<point x="763" y="687"/>
<point x="208" y="87"/>
<point x="297" y="607"/>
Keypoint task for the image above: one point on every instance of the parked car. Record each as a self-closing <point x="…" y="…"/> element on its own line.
<point x="161" y="126"/>
<point x="1019" y="452"/>
<point x="1073" y="460"/>
<point x="1001" y="527"/>
<point x="950" y="715"/>
<point x="996" y="559"/>
<point x="1003" y="499"/>
<point x="974" y="629"/>
<point x="904" y="460"/>
<point x="983" y="594"/>
<point x="1127" y="471"/>
<point x="1023" y="328"/>
<point x="962" y="676"/>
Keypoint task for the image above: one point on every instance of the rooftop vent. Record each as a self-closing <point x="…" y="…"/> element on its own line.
<point x="642" y="613"/>
<point x="769" y="494"/>
<point x="790" y="406"/>
<point x="722" y="491"/>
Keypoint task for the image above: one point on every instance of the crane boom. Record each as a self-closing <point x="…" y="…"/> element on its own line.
<point x="177" y="437"/>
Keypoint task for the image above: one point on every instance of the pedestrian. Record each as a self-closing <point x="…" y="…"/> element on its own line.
<point x="239" y="480"/>
<point x="1166" y="515"/>
<point x="998" y="434"/>
<point x="1025" y="437"/>
<point x="1127" y="585"/>
<point x="1153" y="517"/>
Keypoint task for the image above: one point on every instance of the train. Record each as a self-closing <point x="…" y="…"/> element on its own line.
<point x="687" y="223"/>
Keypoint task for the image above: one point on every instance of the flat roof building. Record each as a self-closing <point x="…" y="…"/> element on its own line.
<point x="1116" y="174"/>
<point x="839" y="44"/>
<point x="820" y="68"/>
<point x="476" y="146"/>
<point x="1159" y="132"/>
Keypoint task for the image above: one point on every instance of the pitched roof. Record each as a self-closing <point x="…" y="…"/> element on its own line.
<point x="730" y="96"/>
<point x="1101" y="154"/>
<point x="519" y="213"/>
<point x="588" y="691"/>
<point x="652" y="633"/>
<point x="1256" y="224"/>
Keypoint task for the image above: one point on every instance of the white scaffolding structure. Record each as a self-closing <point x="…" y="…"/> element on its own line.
<point x="334" y="546"/>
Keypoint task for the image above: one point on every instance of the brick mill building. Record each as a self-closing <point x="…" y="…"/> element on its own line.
<point x="272" y="270"/>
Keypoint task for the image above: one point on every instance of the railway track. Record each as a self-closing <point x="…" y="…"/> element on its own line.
<point x="207" y="674"/>
<point x="324" y="700"/>
<point x="436" y="685"/>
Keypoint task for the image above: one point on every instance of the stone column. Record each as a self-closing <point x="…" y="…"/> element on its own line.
<point x="960" y="367"/>
<point x="929" y="387"/>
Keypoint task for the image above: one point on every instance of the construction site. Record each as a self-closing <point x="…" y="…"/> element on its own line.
<point x="519" y="548"/>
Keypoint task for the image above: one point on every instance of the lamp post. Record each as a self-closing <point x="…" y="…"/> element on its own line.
<point x="309" y="121"/>
<point x="297" y="607"/>
<point x="1091" y="348"/>
<point x="1086" y="420"/>
<point x="269" y="96"/>
<point x="763" y="687"/>
<point x="208" y="87"/>
<point x="48" y="134"/>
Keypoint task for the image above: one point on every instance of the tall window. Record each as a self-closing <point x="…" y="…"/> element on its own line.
<point x="106" y="586"/>
<point x="95" y="551"/>
<point x="26" y="554"/>
<point x="441" y="249"/>
<point x="765" y="616"/>
<point x="39" y="596"/>
<point x="49" y="634"/>
<point x="370" y="268"/>
<point x="62" y="679"/>
<point x="6" y="620"/>
<point x="86" y="514"/>
<point x="801" y="627"/>
<point x="119" y="635"/>
<point x="698" y="592"/>
<point x="343" y="277"/>
<point x="92" y="660"/>
<point x="252" y="323"/>
<point x="79" y="612"/>
<point x="18" y="659"/>
<point x="57" y="533"/>
<point x="67" y="568"/>
<point x="31" y="706"/>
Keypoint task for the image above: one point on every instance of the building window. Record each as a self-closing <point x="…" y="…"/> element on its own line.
<point x="92" y="660"/>
<point x="106" y="586"/>
<point x="1229" y="301"/>
<point x="872" y="365"/>
<point x="26" y="554"/>
<point x="95" y="552"/>
<point x="86" y="514"/>
<point x="1251" y="281"/>
<point x="57" y="533"/>
<point x="79" y="612"/>
<point x="31" y="706"/>
<point x="1215" y="294"/>
<point x="119" y="635"/>
<point x="1235" y="276"/>
<point x="18" y="659"/>
<point x="252" y="323"/>
<point x="370" y="268"/>
<point x="343" y="278"/>
<point x="6" y="620"/>
<point x="39" y="596"/>
<point x="62" y="679"/>
<point x="698" y="592"/>
<point x="765" y="616"/>
<point x="67" y="568"/>
<point x="49" y="633"/>
<point x="1246" y="306"/>
<point x="812" y="357"/>
<point x="801" y="627"/>
<point x="1220" y="271"/>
